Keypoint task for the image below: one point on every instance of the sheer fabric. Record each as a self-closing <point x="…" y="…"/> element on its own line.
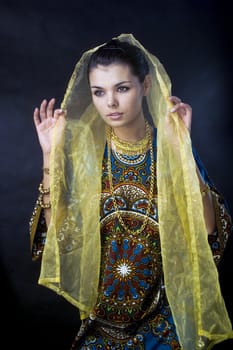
<point x="71" y="258"/>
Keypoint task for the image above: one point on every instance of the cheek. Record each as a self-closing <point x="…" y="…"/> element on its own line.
<point x="135" y="100"/>
<point x="98" y="103"/>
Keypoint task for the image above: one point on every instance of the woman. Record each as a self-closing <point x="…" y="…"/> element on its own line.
<point x="129" y="212"/>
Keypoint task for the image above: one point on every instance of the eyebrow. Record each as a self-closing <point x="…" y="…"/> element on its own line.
<point x="120" y="83"/>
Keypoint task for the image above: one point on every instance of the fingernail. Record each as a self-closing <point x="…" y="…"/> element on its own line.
<point x="173" y="110"/>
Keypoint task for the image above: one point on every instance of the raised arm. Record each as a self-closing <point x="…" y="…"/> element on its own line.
<point x="45" y="119"/>
<point x="185" y="113"/>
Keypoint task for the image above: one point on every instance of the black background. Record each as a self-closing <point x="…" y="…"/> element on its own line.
<point x="40" y="44"/>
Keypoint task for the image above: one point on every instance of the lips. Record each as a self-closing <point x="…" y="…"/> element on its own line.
<point x="115" y="115"/>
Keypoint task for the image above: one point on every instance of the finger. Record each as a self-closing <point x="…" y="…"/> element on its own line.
<point x="181" y="107"/>
<point x="43" y="110"/>
<point x="175" y="108"/>
<point x="50" y="108"/>
<point x="186" y="106"/>
<point x="36" y="117"/>
<point x="58" y="113"/>
<point x="175" y="99"/>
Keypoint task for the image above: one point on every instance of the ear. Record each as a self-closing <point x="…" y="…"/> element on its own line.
<point x="146" y="85"/>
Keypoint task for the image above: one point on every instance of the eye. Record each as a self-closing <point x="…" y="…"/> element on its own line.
<point x="123" y="89"/>
<point x="98" y="93"/>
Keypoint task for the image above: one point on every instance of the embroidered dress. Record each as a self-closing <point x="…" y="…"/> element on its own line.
<point x="132" y="311"/>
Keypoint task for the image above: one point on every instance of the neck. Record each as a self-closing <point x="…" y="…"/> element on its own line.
<point x="131" y="132"/>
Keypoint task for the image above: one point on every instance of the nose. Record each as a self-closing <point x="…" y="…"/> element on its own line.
<point x="112" y="100"/>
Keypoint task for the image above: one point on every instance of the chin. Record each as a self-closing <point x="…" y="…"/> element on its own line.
<point x="115" y="123"/>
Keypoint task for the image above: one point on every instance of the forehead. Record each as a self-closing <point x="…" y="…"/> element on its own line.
<point x="114" y="73"/>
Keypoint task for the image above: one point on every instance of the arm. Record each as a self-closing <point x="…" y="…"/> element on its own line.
<point x="220" y="234"/>
<point x="185" y="113"/>
<point x="45" y="119"/>
<point x="208" y="204"/>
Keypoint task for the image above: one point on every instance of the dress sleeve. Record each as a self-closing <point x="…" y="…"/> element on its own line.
<point x="38" y="231"/>
<point x="218" y="239"/>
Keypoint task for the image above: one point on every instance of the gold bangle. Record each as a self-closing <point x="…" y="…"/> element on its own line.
<point x="42" y="204"/>
<point x="46" y="170"/>
<point x="205" y="189"/>
<point x="43" y="190"/>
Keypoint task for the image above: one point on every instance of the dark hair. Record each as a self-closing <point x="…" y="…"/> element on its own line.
<point x="116" y="51"/>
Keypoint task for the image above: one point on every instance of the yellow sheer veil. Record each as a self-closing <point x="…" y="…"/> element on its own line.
<point x="71" y="258"/>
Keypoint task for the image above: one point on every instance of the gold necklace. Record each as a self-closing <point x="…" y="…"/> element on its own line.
<point x="151" y="191"/>
<point x="131" y="148"/>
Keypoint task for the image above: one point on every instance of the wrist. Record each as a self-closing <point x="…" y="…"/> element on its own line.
<point x="46" y="170"/>
<point x="46" y="160"/>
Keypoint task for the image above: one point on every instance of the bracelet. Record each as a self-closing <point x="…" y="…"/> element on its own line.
<point x="42" y="204"/>
<point x="43" y="190"/>
<point x="205" y="189"/>
<point x="46" y="170"/>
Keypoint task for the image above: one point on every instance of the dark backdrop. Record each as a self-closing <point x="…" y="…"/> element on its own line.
<point x="40" y="43"/>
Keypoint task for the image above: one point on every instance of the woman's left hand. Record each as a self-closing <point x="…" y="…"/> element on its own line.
<point x="183" y="110"/>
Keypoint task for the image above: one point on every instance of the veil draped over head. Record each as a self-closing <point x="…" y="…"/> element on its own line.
<point x="71" y="258"/>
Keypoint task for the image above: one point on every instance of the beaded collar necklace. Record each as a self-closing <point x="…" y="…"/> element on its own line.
<point x="131" y="148"/>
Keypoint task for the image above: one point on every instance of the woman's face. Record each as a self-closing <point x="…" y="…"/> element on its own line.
<point x="117" y="94"/>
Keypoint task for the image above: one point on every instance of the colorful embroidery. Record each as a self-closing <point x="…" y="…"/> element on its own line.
<point x="132" y="311"/>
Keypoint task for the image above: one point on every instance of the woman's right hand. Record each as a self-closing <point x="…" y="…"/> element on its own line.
<point x="45" y="119"/>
